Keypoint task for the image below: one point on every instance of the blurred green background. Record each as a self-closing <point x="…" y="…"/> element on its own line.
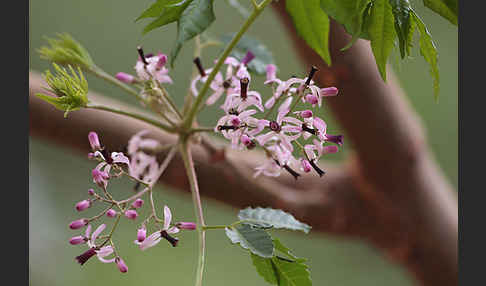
<point x="58" y="179"/>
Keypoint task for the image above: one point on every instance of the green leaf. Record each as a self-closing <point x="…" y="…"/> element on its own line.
<point x="401" y="12"/>
<point x="350" y="13"/>
<point x="312" y="24"/>
<point x="256" y="240"/>
<point x="382" y="33"/>
<point x="195" y="19"/>
<point x="428" y="51"/>
<point x="446" y="8"/>
<point x="263" y="56"/>
<point x="168" y="14"/>
<point x="272" y="217"/>
<point x="291" y="273"/>
<point x="265" y="268"/>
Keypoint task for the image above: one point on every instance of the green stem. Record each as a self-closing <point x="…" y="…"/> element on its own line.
<point x="207" y="227"/>
<point x="201" y="129"/>
<point x="196" y="199"/>
<point x="199" y="100"/>
<point x="132" y="115"/>
<point x="108" y="77"/>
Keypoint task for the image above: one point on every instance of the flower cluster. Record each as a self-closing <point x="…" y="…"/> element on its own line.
<point x="278" y="134"/>
<point x="141" y="166"/>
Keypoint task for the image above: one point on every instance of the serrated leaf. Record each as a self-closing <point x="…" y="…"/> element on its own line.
<point x="401" y="12"/>
<point x="273" y="217"/>
<point x="312" y="24"/>
<point x="382" y="33"/>
<point x="195" y="19"/>
<point x="291" y="273"/>
<point x="166" y="12"/>
<point x="350" y="13"/>
<point x="265" y="268"/>
<point x="263" y="56"/>
<point x="256" y="240"/>
<point x="446" y="8"/>
<point x="428" y="51"/>
<point x="410" y="32"/>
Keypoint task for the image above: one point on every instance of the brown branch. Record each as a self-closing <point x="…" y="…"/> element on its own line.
<point x="392" y="164"/>
<point x="390" y="193"/>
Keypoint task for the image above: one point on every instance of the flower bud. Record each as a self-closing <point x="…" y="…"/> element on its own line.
<point x="78" y="223"/>
<point x="312" y="99"/>
<point x="131" y="214"/>
<point x="186" y="225"/>
<point x="306" y="113"/>
<point x="137" y="203"/>
<point x="329" y="91"/>
<point x="330" y="149"/>
<point x="100" y="178"/>
<point x="121" y="265"/>
<point x="76" y="240"/>
<point x="82" y="205"/>
<point x="124" y="77"/>
<point x="111" y="213"/>
<point x="94" y="141"/>
<point x="306" y="166"/>
<point x="141" y="234"/>
<point x="91" y="192"/>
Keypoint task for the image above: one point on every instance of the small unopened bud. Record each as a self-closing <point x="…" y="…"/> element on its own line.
<point x="248" y="58"/>
<point x="329" y="91"/>
<point x="271" y="71"/>
<point x="91" y="192"/>
<point x="330" y="149"/>
<point x="76" y="240"/>
<point x="137" y="203"/>
<point x="111" y="213"/>
<point x="82" y="205"/>
<point x="121" y="265"/>
<point x="91" y="155"/>
<point x="306" y="113"/>
<point x="131" y="214"/>
<point x="161" y="62"/>
<point x="312" y="99"/>
<point x="141" y="234"/>
<point x="94" y="141"/>
<point x="197" y="62"/>
<point x="337" y="139"/>
<point x="124" y="77"/>
<point x="186" y="225"/>
<point x="306" y="166"/>
<point x="78" y="223"/>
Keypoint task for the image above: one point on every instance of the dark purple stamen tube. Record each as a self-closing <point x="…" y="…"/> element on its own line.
<point x="244" y="87"/>
<point x="248" y="58"/>
<point x="311" y="74"/>
<point x="141" y="54"/>
<point x="292" y="172"/>
<point x="85" y="256"/>
<point x="307" y="129"/>
<point x="316" y="168"/>
<point x="197" y="62"/>
<point x="170" y="239"/>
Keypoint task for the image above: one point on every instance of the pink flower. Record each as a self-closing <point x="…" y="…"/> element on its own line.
<point x="94" y="141"/>
<point x="121" y="265"/>
<point x="141" y="234"/>
<point x="138" y="143"/>
<point x="100" y="178"/>
<point x="82" y="205"/>
<point x="329" y="91"/>
<point x="244" y="99"/>
<point x="94" y="250"/>
<point x="77" y="240"/>
<point x="153" y="68"/>
<point x="137" y="203"/>
<point x="155" y="237"/>
<point x="131" y="214"/>
<point x="144" y="167"/>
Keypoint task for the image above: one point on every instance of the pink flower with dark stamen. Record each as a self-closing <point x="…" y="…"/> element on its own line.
<point x="154" y="69"/>
<point x="155" y="237"/>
